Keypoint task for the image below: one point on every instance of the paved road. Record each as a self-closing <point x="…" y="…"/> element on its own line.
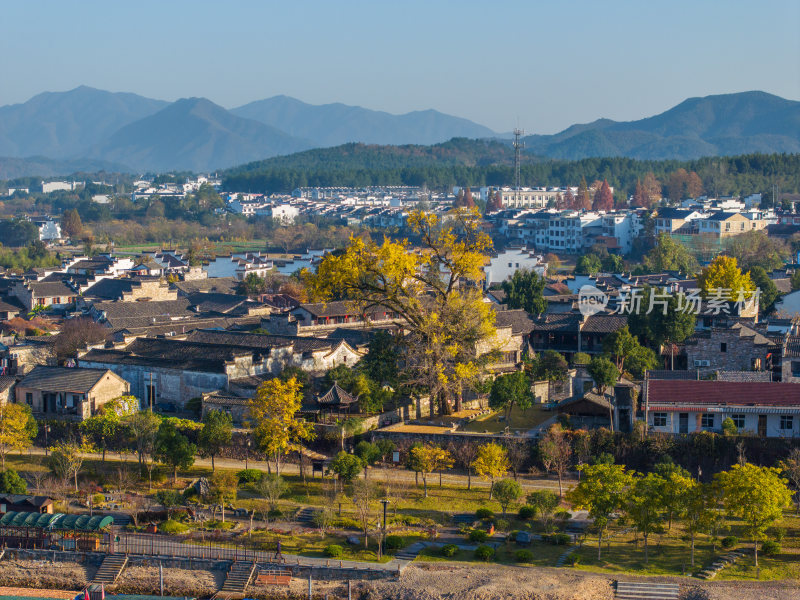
<point x="377" y="473"/>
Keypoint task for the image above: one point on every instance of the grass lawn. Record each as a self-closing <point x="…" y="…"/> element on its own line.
<point x="519" y="420"/>
<point x="544" y="555"/>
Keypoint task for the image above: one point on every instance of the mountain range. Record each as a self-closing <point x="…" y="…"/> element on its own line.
<point x="60" y="132"/>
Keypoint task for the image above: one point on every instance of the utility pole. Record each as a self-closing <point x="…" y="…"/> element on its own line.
<point x="518" y="145"/>
<point x="385" y="503"/>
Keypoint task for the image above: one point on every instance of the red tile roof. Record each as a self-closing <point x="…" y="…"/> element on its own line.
<point x="687" y="392"/>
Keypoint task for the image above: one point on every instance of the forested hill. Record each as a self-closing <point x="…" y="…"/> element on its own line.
<point x="481" y="162"/>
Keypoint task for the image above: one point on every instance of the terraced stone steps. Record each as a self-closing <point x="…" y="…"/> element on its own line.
<point x="642" y="590"/>
<point x="237" y="580"/>
<point x="110" y="569"/>
<point x="720" y="563"/>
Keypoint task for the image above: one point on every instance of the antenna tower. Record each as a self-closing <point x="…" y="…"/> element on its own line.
<point x="518" y="145"/>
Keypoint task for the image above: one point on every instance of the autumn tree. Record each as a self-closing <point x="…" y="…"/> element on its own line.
<point x="444" y="317"/>
<point x="723" y="278"/>
<point x="66" y="461"/>
<point x="651" y="189"/>
<point x="277" y="428"/>
<point x="756" y="495"/>
<point x="490" y="463"/>
<point x="603" y="197"/>
<point x="694" y="185"/>
<point x="556" y="453"/>
<point x="583" y="200"/>
<point x="791" y="470"/>
<point x="71" y="225"/>
<point x="676" y="185"/>
<point x="143" y="426"/>
<point x="272" y="487"/>
<point x="430" y="458"/>
<point x="17" y="429"/>
<point x="363" y="495"/>
<point x="495" y="202"/>
<point x="569" y="200"/>
<point x="216" y="434"/>
<point x="602" y="492"/>
<point x="78" y="333"/>
<point x="643" y="507"/>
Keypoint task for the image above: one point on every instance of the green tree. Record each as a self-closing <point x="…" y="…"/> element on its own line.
<point x="252" y="285"/>
<point x="604" y="374"/>
<point x="768" y="291"/>
<point x="104" y="425"/>
<point x="619" y="345"/>
<point x="544" y="503"/>
<point x="643" y="506"/>
<point x="143" y="426"/>
<point x="368" y="453"/>
<point x="668" y="321"/>
<point x="612" y="263"/>
<point x="427" y="459"/>
<point x="216" y="433"/>
<point x="757" y="495"/>
<point x="509" y="390"/>
<point x="588" y="264"/>
<point x="12" y="483"/>
<point x="169" y="499"/>
<point x="346" y="466"/>
<point x="490" y="463"/>
<point x="173" y="448"/>
<point x="601" y="491"/>
<point x="669" y="255"/>
<point x="224" y="488"/>
<point x="507" y="492"/>
<point x="525" y="289"/>
<point x="272" y="487"/>
<point x="700" y="501"/>
<point x="675" y="480"/>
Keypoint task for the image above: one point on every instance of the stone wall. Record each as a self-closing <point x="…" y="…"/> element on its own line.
<point x="739" y="354"/>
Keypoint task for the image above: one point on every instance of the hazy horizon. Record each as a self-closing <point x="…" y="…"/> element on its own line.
<point x="541" y="68"/>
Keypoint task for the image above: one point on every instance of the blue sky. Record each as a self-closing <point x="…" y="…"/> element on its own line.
<point x="540" y="65"/>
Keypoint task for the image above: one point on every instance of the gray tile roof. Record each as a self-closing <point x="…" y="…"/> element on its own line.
<point x="61" y="379"/>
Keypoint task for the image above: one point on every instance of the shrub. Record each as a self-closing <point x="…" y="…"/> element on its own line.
<point x="502" y="525"/>
<point x="172" y="527"/>
<point x="770" y="548"/>
<point x="346" y="523"/>
<point x="334" y="551"/>
<point x="274" y="514"/>
<point x="98" y="499"/>
<point x="484" y="513"/>
<point x="484" y="553"/>
<point x="729" y="542"/>
<point x="249" y="475"/>
<point x="526" y="512"/>
<point x="12" y="483"/>
<point x="393" y="542"/>
<point x="574" y="559"/>
<point x="524" y="556"/>
<point x="563" y="515"/>
<point x="478" y="535"/>
<point x="449" y="550"/>
<point x="559" y="539"/>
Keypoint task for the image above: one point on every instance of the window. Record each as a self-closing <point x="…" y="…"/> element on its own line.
<point x="707" y="421"/>
<point x="659" y="419"/>
<point x="787" y="422"/>
<point x="738" y="420"/>
<point x="723" y="347"/>
<point x="29" y="398"/>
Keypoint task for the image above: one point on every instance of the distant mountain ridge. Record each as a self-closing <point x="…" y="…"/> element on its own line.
<point x="724" y="124"/>
<point x="143" y="134"/>
<point x="336" y="124"/>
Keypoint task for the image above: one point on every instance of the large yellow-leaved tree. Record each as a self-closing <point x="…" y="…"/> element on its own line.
<point x="432" y="289"/>
<point x="724" y="279"/>
<point x="276" y="427"/>
<point x="17" y="429"/>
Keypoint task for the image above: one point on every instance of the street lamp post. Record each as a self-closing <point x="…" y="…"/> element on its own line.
<point x="46" y="429"/>
<point x="246" y="453"/>
<point x="383" y="532"/>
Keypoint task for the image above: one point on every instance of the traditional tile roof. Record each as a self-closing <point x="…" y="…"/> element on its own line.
<point x="557" y="323"/>
<point x="224" y="285"/>
<point x="6" y="382"/>
<point x="336" y="396"/>
<point x="218" y="302"/>
<point x="602" y="323"/>
<point x="337" y="308"/>
<point x="110" y="289"/>
<point x="61" y="379"/>
<point x="723" y="393"/>
<point x="50" y="289"/>
<point x="521" y="322"/>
